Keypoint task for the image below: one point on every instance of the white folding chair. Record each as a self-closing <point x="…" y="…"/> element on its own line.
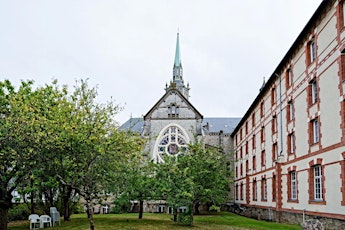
<point x="34" y="221"/>
<point x="45" y="220"/>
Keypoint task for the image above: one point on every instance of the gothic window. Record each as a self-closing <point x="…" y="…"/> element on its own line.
<point x="173" y="111"/>
<point x="172" y="142"/>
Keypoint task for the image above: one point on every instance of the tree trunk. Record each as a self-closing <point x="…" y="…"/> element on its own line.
<point x="3" y="216"/>
<point x="175" y="214"/>
<point x="66" y="203"/>
<point x="32" y="208"/>
<point x="196" y="205"/>
<point x="90" y="208"/>
<point x="141" y="208"/>
<point x="5" y="204"/>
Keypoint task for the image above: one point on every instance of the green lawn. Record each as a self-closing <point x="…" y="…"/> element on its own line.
<point x="221" y="221"/>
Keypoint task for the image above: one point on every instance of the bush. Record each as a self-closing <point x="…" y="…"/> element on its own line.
<point x="185" y="218"/>
<point x="18" y="212"/>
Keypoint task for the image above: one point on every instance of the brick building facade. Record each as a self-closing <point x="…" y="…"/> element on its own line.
<point x="290" y="144"/>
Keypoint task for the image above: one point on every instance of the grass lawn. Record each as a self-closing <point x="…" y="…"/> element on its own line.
<point x="150" y="221"/>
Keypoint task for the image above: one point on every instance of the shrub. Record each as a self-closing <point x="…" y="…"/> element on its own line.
<point x="18" y="212"/>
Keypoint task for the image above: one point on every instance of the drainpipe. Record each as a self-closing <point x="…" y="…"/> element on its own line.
<point x="281" y="114"/>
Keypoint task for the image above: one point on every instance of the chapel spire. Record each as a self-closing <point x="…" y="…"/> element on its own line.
<point x="177" y="81"/>
<point x="177" y="70"/>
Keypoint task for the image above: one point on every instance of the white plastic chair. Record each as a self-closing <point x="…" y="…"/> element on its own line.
<point x="55" y="216"/>
<point x="34" y="221"/>
<point x="45" y="219"/>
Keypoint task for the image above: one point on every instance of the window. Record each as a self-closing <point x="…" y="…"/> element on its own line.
<point x="291" y="143"/>
<point x="236" y="171"/>
<point x="173" y="141"/>
<point x="311" y="51"/>
<point x="241" y="152"/>
<point x="288" y="78"/>
<point x="255" y="190"/>
<point x="254" y="162"/>
<point x="313" y="94"/>
<point x="274" y="124"/>
<point x="173" y="111"/>
<point x="342" y="65"/>
<point x="262" y="134"/>
<point x="314" y="134"/>
<point x="290" y="111"/>
<point x="274" y="187"/>
<point x="317" y="182"/>
<point x="274" y="151"/>
<point x="292" y="186"/>
<point x="247" y="148"/>
<point x="253" y="142"/>
<point x="241" y="169"/>
<point x="273" y="96"/>
<point x="262" y="109"/>
<point x="237" y="192"/>
<point x="263" y="158"/>
<point x="293" y="195"/>
<point x="253" y="119"/>
<point x="241" y="191"/>
<point x="246" y="127"/>
<point x="247" y="166"/>
<point x="241" y="135"/>
<point x="264" y="189"/>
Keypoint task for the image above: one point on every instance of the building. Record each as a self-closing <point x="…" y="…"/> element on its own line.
<point x="290" y="144"/>
<point x="173" y="123"/>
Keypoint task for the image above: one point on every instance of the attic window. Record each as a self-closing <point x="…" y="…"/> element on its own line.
<point x="173" y="111"/>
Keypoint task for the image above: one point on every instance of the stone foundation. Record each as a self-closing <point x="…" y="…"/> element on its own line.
<point x="290" y="217"/>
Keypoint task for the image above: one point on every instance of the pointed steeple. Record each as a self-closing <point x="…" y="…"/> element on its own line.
<point x="178" y="71"/>
<point x="177" y="81"/>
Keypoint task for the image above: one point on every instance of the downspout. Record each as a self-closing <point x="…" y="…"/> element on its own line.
<point x="280" y="114"/>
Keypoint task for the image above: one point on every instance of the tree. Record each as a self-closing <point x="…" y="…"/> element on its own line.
<point x="22" y="118"/>
<point x="199" y="176"/>
<point x="138" y="182"/>
<point x="97" y="151"/>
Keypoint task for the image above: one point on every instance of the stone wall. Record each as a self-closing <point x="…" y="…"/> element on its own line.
<point x="290" y="218"/>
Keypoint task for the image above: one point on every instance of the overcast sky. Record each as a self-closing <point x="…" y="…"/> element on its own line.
<point x="126" y="48"/>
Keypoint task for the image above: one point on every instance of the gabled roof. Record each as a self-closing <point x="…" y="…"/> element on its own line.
<point x="168" y="91"/>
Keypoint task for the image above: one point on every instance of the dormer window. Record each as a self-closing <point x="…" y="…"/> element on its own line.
<point x="173" y="111"/>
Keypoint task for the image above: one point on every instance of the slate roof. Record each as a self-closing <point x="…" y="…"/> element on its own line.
<point x="133" y="124"/>
<point x="215" y="124"/>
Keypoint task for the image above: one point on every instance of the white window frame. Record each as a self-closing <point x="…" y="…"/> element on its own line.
<point x="265" y="189"/>
<point x="316" y="135"/>
<point x="293" y="185"/>
<point x="317" y="182"/>
<point x="314" y="94"/>
<point x="312" y="50"/>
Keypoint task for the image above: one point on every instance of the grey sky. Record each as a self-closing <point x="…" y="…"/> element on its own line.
<point x="126" y="47"/>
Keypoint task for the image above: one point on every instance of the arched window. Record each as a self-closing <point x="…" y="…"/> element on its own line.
<point x="173" y="111"/>
<point x="172" y="141"/>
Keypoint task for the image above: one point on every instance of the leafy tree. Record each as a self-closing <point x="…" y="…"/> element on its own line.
<point x="97" y="152"/>
<point x="200" y="176"/>
<point x="138" y="182"/>
<point x="22" y="118"/>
